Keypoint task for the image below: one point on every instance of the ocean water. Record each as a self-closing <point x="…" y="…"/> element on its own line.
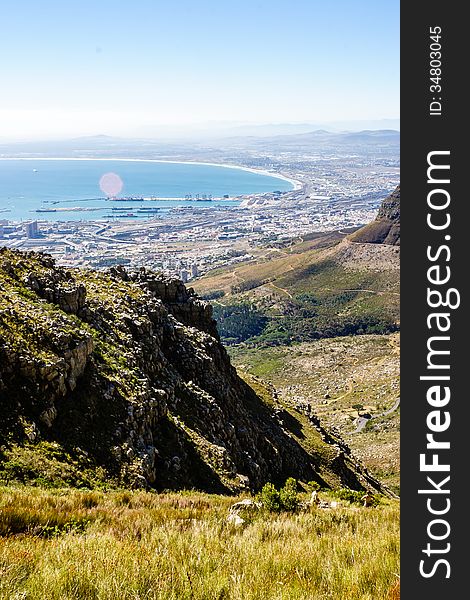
<point x="49" y="185"/>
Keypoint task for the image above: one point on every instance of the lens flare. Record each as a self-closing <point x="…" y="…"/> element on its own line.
<point x="111" y="184"/>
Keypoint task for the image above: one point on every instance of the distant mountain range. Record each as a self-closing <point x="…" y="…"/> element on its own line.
<point x="322" y="138"/>
<point x="103" y="145"/>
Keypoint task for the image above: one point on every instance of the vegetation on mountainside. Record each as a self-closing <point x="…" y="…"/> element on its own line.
<point x="307" y="320"/>
<point x="239" y="322"/>
<point x="50" y="465"/>
<point x="319" y="297"/>
<point x="117" y="378"/>
<point x="304" y="292"/>
<point x="341" y="378"/>
<point x="77" y="545"/>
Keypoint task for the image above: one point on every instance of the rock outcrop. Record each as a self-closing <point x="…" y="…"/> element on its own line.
<point x="126" y="369"/>
<point x="385" y="229"/>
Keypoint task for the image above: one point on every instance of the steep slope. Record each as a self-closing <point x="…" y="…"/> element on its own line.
<point x="351" y="383"/>
<point x="120" y="377"/>
<point x="321" y="293"/>
<point x="385" y="229"/>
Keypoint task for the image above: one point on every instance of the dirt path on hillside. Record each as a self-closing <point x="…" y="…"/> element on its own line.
<point x="280" y="289"/>
<point x="362" y="421"/>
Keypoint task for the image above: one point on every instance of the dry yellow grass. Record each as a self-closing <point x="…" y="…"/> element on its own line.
<point x="135" y="546"/>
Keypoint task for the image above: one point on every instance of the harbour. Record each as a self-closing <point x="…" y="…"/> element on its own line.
<point x="49" y="186"/>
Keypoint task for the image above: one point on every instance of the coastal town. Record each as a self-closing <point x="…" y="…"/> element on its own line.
<point x="337" y="188"/>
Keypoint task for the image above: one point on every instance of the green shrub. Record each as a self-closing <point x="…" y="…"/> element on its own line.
<point x="284" y="500"/>
<point x="313" y="486"/>
<point x="288" y="495"/>
<point x="270" y="499"/>
<point x="349" y="495"/>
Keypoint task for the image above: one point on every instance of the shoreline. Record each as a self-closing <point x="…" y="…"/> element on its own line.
<point x="294" y="182"/>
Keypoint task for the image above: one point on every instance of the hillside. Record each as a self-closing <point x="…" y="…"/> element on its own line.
<point x="351" y="383"/>
<point x="120" y="379"/>
<point x="323" y="286"/>
<point x="295" y="316"/>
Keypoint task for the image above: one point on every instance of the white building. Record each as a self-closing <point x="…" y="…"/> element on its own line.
<point x="32" y="230"/>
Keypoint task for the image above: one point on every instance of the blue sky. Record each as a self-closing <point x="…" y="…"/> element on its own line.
<point x="122" y="67"/>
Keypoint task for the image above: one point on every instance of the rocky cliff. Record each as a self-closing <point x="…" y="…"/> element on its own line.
<point x="385" y="229"/>
<point x="122" y="375"/>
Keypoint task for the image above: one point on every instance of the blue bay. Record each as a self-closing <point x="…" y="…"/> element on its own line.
<point x="29" y="185"/>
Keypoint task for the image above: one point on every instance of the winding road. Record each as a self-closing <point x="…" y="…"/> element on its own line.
<point x="362" y="421"/>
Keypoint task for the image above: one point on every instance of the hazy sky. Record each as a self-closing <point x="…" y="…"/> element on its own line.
<point x="121" y="67"/>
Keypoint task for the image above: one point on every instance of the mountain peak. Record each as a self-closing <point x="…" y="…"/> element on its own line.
<point x="385" y="229"/>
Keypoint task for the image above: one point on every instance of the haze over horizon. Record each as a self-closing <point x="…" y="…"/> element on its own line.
<point x="153" y="69"/>
<point x="212" y="131"/>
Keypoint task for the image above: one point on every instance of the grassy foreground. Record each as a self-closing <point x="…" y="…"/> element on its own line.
<point x="71" y="544"/>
